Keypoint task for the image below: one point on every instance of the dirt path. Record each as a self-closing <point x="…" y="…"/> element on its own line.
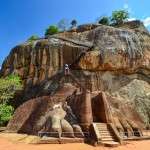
<point x="7" y="145"/>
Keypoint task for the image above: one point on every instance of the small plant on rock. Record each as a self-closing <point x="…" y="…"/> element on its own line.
<point x="51" y="30"/>
<point x="33" y="38"/>
<point x="104" y="20"/>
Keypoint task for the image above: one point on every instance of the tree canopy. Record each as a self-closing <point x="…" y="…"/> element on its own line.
<point x="104" y="20"/>
<point x="6" y="112"/>
<point x="51" y="30"/>
<point x="8" y="87"/>
<point x="119" y="16"/>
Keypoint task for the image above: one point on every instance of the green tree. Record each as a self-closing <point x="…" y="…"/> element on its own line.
<point x="119" y="16"/>
<point x="51" y="30"/>
<point x="33" y="38"/>
<point x="6" y="112"/>
<point x="104" y="20"/>
<point x="73" y="23"/>
<point x="63" y="24"/>
<point x="8" y="87"/>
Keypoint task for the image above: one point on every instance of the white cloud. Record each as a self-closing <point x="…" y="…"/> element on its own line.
<point x="132" y="19"/>
<point x="146" y="21"/>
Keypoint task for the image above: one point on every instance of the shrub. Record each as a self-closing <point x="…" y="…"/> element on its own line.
<point x="51" y="30"/>
<point x="33" y="38"/>
<point x="8" y="87"/>
<point x="6" y="112"/>
<point x="118" y="17"/>
<point x="104" y="20"/>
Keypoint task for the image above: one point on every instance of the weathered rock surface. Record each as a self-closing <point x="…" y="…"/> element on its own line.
<point x="47" y="114"/>
<point x="66" y="112"/>
<point x="137" y="95"/>
<point x="102" y="58"/>
<point x="110" y="49"/>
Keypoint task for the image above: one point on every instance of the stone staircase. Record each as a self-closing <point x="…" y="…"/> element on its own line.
<point x="105" y="135"/>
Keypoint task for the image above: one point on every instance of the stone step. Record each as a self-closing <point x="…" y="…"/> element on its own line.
<point x="107" y="139"/>
<point x="106" y="134"/>
<point x="105" y="131"/>
<point x="102" y="125"/>
<point x="110" y="144"/>
<point x="101" y="129"/>
<point x="104" y="128"/>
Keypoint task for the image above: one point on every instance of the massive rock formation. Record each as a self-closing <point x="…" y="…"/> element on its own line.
<point x="102" y="58"/>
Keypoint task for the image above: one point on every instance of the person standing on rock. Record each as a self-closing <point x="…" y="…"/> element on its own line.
<point x="67" y="70"/>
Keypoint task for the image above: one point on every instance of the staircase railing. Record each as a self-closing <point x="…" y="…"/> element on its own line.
<point x="116" y="133"/>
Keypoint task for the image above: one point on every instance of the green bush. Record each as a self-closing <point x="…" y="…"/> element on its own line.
<point x="8" y="87"/>
<point x="6" y="112"/>
<point x="119" y="16"/>
<point x="51" y="30"/>
<point x="104" y="20"/>
<point x="33" y="38"/>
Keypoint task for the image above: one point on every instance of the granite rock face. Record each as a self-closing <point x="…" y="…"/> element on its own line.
<point x="47" y="115"/>
<point x="101" y="58"/>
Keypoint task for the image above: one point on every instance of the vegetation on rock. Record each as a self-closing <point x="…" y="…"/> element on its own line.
<point x="51" y="30"/>
<point x="119" y="16"/>
<point x="33" y="38"/>
<point x="8" y="88"/>
<point x="104" y="20"/>
<point x="6" y="112"/>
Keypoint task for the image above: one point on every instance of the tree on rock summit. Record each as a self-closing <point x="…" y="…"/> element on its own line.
<point x="119" y="16"/>
<point x="51" y="30"/>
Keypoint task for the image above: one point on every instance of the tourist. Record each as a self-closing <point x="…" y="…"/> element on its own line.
<point x="67" y="70"/>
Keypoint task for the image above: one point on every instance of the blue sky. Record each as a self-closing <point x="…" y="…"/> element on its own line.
<point x="19" y="19"/>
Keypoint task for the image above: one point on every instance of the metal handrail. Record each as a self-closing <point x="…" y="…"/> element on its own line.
<point x="48" y="133"/>
<point x="146" y="133"/>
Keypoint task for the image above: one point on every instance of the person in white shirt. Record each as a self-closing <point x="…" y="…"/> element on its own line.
<point x="67" y="70"/>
